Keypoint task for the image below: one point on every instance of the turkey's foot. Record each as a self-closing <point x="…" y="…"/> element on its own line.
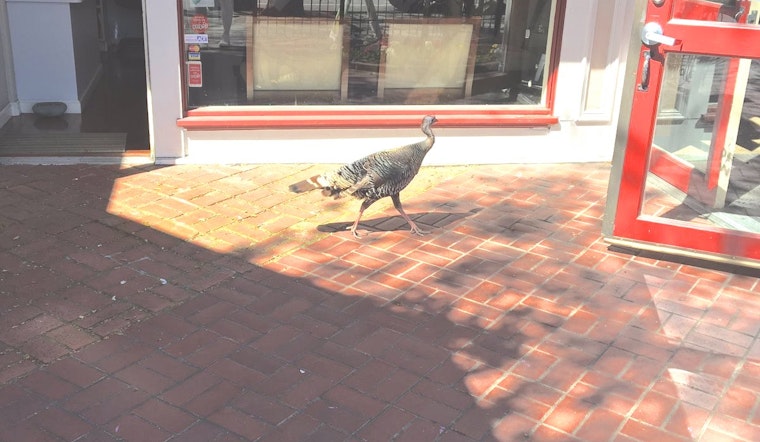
<point x="417" y="231"/>
<point x="354" y="232"/>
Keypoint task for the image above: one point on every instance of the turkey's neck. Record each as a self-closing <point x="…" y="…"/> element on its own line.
<point x="430" y="137"/>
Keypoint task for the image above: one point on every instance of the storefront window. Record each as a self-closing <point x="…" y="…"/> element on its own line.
<point x="368" y="52"/>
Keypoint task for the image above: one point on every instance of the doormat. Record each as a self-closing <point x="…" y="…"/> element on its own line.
<point x="63" y="144"/>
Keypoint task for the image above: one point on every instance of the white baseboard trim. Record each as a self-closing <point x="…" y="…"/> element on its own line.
<point x="453" y="146"/>
<point x="5" y="114"/>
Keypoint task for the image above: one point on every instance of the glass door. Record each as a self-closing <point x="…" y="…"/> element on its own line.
<point x="688" y="178"/>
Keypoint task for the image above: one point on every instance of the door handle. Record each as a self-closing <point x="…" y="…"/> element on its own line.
<point x="651" y="35"/>
<point x="644" y="85"/>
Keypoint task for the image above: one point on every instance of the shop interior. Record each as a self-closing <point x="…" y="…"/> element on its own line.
<point x="114" y="116"/>
<point x="368" y="52"/>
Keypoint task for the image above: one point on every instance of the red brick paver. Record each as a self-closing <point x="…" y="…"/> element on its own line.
<point x="208" y="303"/>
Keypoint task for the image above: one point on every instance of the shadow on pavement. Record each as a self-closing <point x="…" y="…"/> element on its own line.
<point x="120" y="322"/>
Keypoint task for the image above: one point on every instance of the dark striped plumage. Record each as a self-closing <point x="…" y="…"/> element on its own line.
<point x="378" y="175"/>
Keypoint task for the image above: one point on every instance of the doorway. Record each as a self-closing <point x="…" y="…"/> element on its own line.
<point x="686" y="177"/>
<point x="114" y="115"/>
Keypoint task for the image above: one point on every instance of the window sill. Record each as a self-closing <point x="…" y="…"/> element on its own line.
<point x="243" y="117"/>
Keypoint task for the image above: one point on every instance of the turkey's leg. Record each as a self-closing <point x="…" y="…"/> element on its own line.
<point x="365" y="204"/>
<point x="397" y="204"/>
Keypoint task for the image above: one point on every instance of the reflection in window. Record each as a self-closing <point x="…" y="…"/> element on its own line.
<point x="367" y="52"/>
<point x="729" y="11"/>
<point x="703" y="162"/>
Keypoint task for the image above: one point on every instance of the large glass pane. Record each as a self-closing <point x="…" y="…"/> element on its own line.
<point x="705" y="160"/>
<point x="400" y="52"/>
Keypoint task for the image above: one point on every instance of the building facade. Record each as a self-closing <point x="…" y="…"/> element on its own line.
<point x="324" y="81"/>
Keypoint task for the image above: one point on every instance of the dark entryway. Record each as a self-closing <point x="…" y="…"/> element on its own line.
<point x="114" y="115"/>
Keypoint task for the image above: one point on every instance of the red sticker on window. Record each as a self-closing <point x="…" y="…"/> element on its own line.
<point x="199" y="24"/>
<point x="194" y="74"/>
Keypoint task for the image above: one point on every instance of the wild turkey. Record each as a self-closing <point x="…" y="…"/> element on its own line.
<point x="381" y="174"/>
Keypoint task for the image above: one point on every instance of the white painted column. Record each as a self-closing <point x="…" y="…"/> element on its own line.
<point x="164" y="70"/>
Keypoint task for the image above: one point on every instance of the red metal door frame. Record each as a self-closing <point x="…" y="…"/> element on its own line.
<point x="695" y="37"/>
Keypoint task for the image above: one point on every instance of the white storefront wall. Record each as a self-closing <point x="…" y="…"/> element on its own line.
<point x="588" y="91"/>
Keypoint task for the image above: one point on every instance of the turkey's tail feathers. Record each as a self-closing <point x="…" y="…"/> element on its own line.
<point x="315" y="182"/>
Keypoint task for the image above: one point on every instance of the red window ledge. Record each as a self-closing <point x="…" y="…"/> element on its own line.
<point x="232" y="117"/>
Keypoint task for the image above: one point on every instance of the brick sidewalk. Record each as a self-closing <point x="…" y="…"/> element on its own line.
<point x="204" y="303"/>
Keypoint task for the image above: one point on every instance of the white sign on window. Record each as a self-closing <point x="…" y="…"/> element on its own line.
<point x="196" y="38"/>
